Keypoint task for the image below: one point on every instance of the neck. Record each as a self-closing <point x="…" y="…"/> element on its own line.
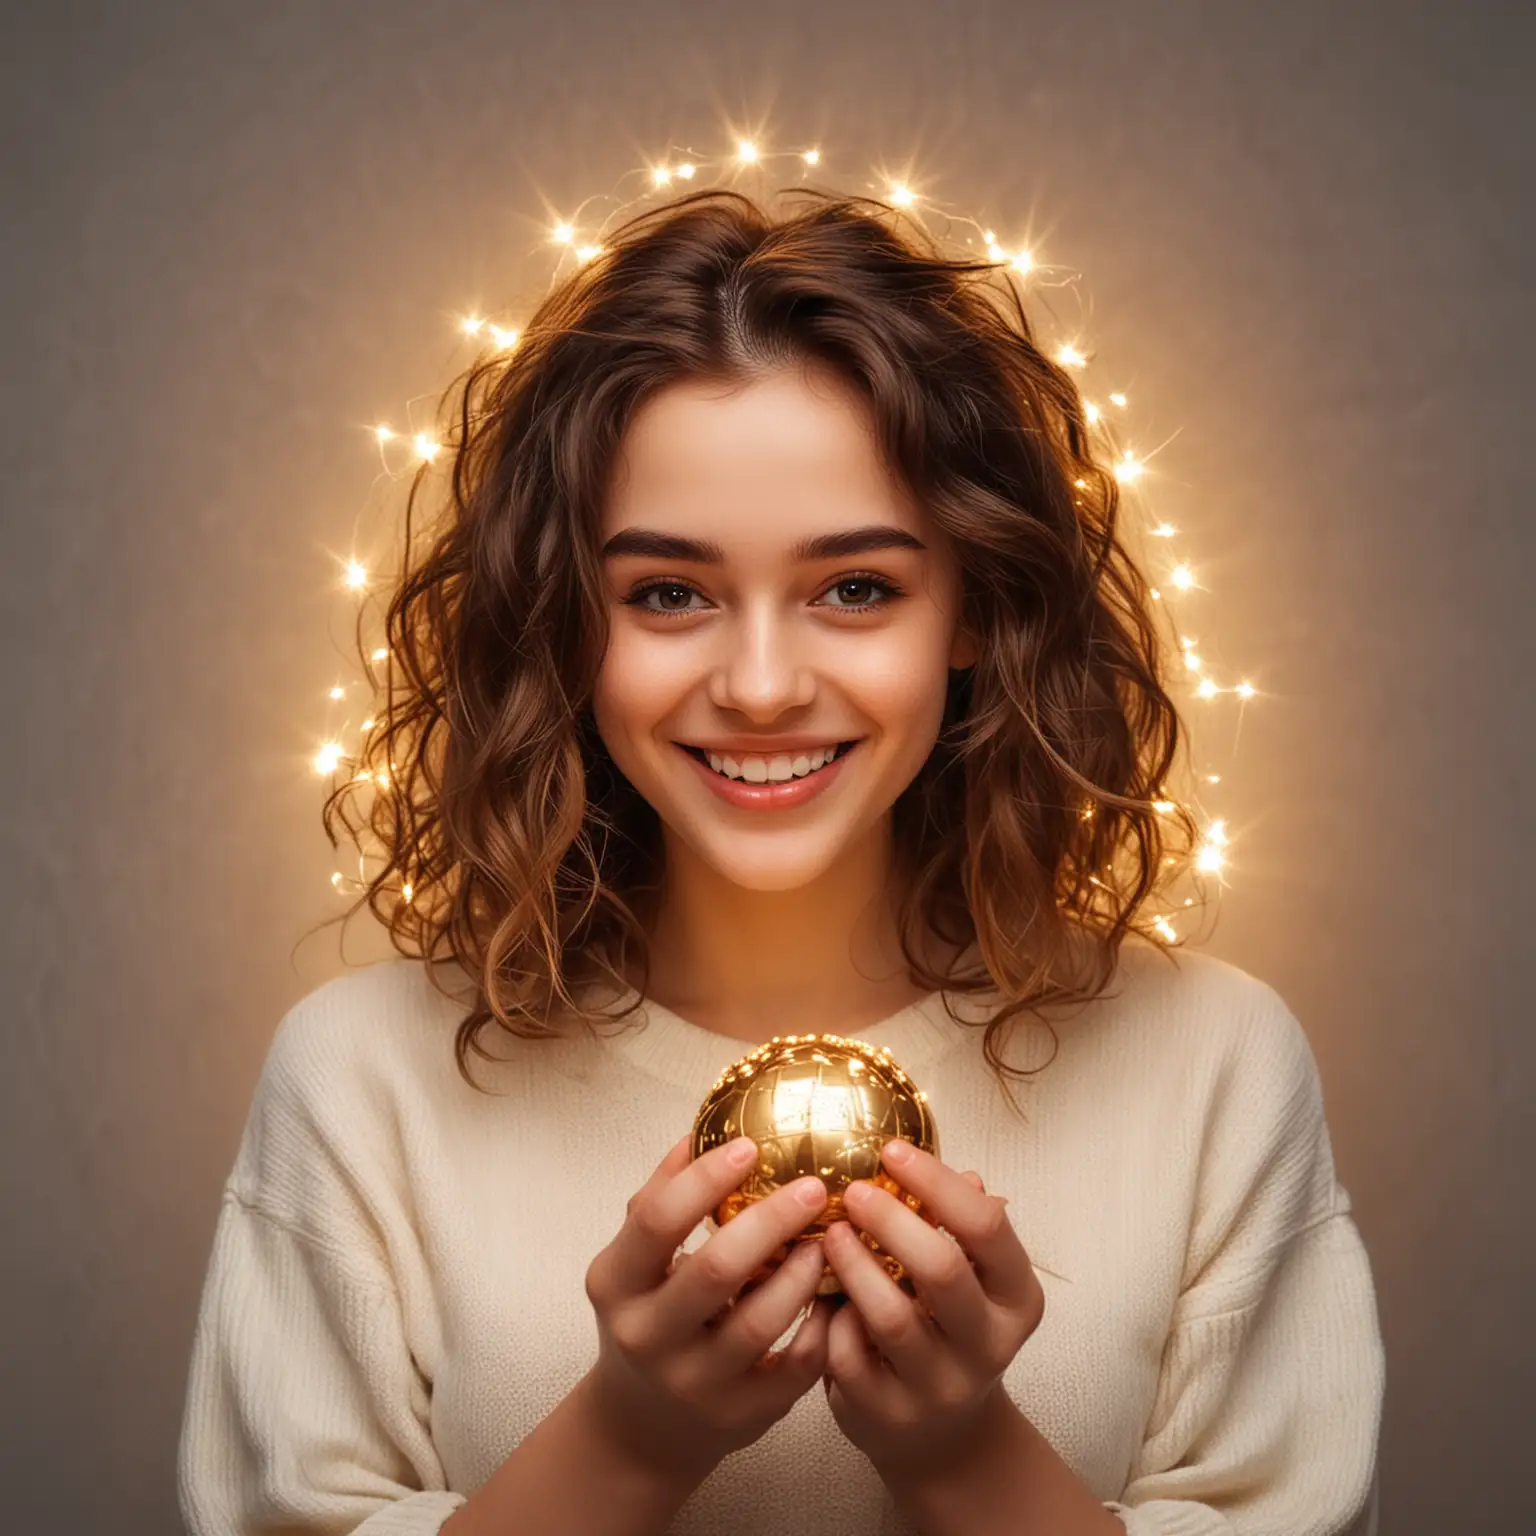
<point x="740" y="961"/>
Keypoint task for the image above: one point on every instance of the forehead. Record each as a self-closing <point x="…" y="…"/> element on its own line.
<point x="787" y="454"/>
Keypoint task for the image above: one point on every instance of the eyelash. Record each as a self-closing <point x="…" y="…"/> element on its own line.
<point x="640" y="593"/>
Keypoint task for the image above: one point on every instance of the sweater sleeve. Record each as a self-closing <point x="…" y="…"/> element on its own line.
<point x="305" y="1415"/>
<point x="1268" y="1408"/>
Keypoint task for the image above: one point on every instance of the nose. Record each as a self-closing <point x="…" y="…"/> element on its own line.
<point x="761" y="671"/>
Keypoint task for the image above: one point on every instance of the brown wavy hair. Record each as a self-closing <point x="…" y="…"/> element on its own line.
<point x="513" y="848"/>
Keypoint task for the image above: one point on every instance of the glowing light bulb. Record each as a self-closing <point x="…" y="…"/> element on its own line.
<point x="426" y="448"/>
<point x="1164" y="531"/>
<point x="1118" y="399"/>
<point x="1207" y="689"/>
<point x="380" y="654"/>
<point x="1129" y="469"/>
<point x="1165" y="928"/>
<point x="338" y="693"/>
<point x="813" y="157"/>
<point x="503" y="339"/>
<point x="383" y="433"/>
<point x="356" y="575"/>
<point x="328" y="757"/>
<point x="1209" y="860"/>
<point x="1246" y="689"/>
<point x="585" y="253"/>
<point x="564" y="234"/>
<point x="661" y="175"/>
<point x="902" y="195"/>
<point x="1023" y="262"/>
<point x="471" y="325"/>
<point x="686" y="171"/>
<point x="1070" y="357"/>
<point x="1090" y="412"/>
<point x="1183" y="578"/>
<point x="746" y="150"/>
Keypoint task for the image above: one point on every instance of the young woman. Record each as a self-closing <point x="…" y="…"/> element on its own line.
<point x="777" y="669"/>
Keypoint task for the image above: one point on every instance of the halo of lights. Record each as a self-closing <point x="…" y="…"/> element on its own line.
<point x="409" y="450"/>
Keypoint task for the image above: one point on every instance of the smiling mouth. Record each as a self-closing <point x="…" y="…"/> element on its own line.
<point x="843" y="748"/>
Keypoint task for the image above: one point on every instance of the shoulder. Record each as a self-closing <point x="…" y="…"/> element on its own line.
<point x="1227" y="1058"/>
<point x="1224" y="1025"/>
<point x="371" y="1021"/>
<point x="1183" y="1037"/>
<point x="346" y="1068"/>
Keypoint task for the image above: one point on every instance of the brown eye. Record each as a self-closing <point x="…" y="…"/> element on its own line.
<point x="884" y="584"/>
<point x="637" y="598"/>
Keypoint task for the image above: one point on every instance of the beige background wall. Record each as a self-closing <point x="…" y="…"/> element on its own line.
<point x="235" y="235"/>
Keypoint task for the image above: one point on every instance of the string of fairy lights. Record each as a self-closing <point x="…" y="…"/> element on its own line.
<point x="417" y="447"/>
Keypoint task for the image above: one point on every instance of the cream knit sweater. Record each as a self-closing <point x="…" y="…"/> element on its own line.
<point x="395" y="1295"/>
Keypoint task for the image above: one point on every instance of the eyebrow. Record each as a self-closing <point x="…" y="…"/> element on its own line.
<point x="825" y="546"/>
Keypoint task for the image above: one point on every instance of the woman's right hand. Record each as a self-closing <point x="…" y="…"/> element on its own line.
<point x="683" y="1375"/>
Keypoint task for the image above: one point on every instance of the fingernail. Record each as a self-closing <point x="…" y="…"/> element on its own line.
<point x="898" y="1152"/>
<point x="811" y="1192"/>
<point x="742" y="1150"/>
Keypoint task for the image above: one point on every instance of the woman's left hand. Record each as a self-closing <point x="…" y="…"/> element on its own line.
<point x="926" y="1400"/>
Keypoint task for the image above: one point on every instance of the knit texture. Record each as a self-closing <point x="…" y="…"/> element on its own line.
<point x="396" y="1294"/>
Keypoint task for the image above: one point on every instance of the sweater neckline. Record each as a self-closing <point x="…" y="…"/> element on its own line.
<point x="667" y="1046"/>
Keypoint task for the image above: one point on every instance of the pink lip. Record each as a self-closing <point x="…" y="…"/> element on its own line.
<point x="766" y="797"/>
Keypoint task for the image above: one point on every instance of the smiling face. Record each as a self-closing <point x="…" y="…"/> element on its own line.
<point x="731" y="630"/>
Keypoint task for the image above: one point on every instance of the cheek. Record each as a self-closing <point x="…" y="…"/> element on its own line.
<point x="903" y="689"/>
<point x="635" y="688"/>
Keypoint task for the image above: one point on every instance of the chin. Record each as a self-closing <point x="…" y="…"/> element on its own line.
<point x="777" y="869"/>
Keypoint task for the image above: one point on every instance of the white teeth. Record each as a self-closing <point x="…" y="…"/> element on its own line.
<point x="771" y="770"/>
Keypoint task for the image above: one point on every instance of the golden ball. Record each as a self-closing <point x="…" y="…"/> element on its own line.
<point x="816" y="1104"/>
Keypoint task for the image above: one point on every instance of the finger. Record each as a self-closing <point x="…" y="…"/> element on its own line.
<point x="975" y="1178"/>
<point x="977" y="1220"/>
<point x="806" y="1354"/>
<point x="670" y="1204"/>
<point x="855" y="1364"/>
<point x="890" y="1317"/>
<point x="732" y="1255"/>
<point x="939" y="1268"/>
<point x="778" y="1379"/>
<point x="751" y="1327"/>
<point x="851" y="1354"/>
